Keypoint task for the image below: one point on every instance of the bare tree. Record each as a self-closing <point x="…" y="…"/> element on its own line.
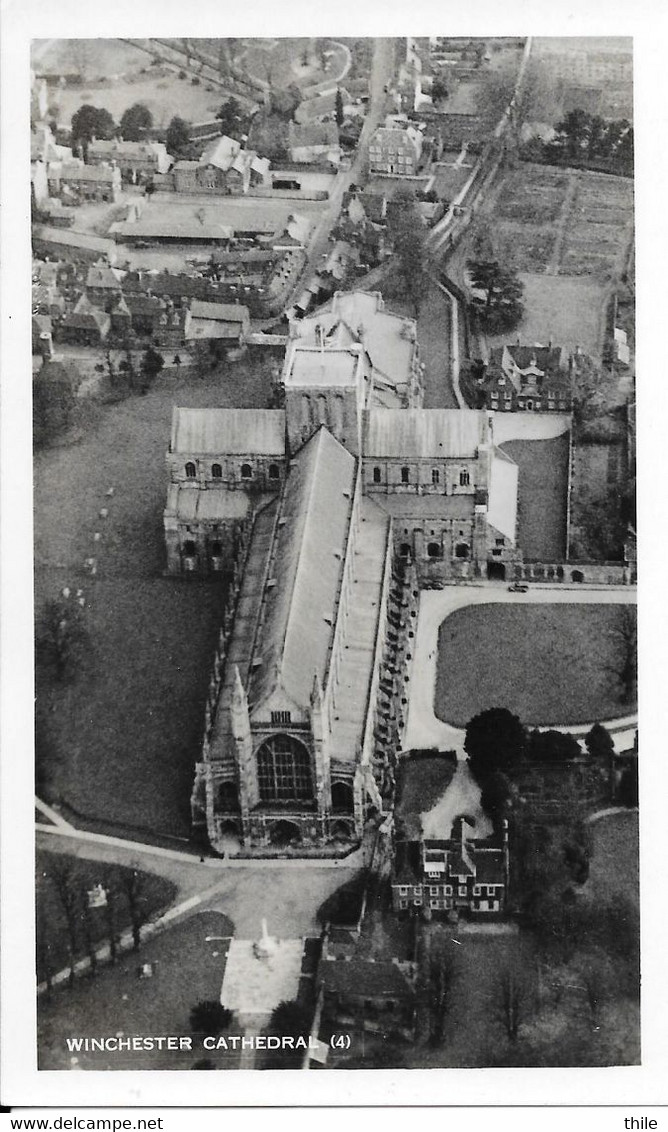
<point x="513" y="1000"/>
<point x="61" y="874"/>
<point x="596" y="984"/>
<point x="44" y="960"/>
<point x="86" y="923"/>
<point x="110" y="884"/>
<point x="442" y="976"/>
<point x="626" y="668"/>
<point x="134" y="886"/>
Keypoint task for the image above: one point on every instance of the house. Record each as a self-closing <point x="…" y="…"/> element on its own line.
<point x="103" y="287"/>
<point x="88" y="182"/>
<point x="453" y="876"/>
<point x="395" y="150"/>
<point x="376" y="995"/>
<point x="75" y="247"/>
<point x="528" y="379"/>
<point x="86" y="325"/>
<point x="138" y="161"/>
<point x="314" y="143"/>
<point x="224" y="167"/>
<point x="217" y="322"/>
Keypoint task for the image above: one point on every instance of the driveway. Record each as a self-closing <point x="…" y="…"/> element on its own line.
<point x="424" y="730"/>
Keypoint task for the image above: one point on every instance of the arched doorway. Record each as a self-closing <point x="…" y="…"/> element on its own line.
<point x="577" y="576"/>
<point x="342" y="798"/>
<point x="228" y="798"/>
<point x="496" y="571"/>
<point x="284" y="833"/>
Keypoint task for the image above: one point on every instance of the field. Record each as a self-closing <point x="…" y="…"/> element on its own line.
<point x="280" y="62"/>
<point x="134" y="717"/>
<point x="154" y="894"/>
<point x="549" y="664"/>
<point x="543" y="492"/>
<point x="118" y="1002"/>
<point x="614" y="870"/>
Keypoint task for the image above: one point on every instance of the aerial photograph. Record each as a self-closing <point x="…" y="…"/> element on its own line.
<point x="333" y="386"/>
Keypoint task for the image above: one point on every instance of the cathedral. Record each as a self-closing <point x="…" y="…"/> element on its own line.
<point x="334" y="511"/>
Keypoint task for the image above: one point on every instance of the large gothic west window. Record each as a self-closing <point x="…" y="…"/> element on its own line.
<point x="284" y="770"/>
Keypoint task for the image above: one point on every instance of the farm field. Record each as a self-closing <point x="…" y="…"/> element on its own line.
<point x="134" y="716"/>
<point x="549" y="664"/>
<point x="598" y="68"/>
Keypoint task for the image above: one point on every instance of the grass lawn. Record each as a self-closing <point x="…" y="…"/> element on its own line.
<point x="128" y="729"/>
<point x="543" y="496"/>
<point x="614" y="868"/>
<point x="154" y="893"/>
<point x="547" y="663"/>
<point x="421" y="783"/>
<point x="562" y="309"/>
<point x="117" y="1001"/>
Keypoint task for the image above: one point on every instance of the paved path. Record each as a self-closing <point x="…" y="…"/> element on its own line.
<point x="424" y="728"/>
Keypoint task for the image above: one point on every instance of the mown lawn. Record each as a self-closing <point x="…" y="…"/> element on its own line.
<point x="543" y="496"/>
<point x="186" y="969"/>
<point x="550" y="664"/>
<point x="614" y="868"/>
<point x="153" y="893"/>
<point x="128" y="729"/>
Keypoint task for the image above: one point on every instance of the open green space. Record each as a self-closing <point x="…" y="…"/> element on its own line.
<point x="186" y="969"/>
<point x="153" y="893"/>
<point x="281" y="62"/>
<point x="549" y="664"/>
<point x="127" y="730"/>
<point x="614" y="867"/>
<point x="543" y="496"/>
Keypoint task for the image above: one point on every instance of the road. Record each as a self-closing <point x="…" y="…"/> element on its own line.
<point x="382" y="68"/>
<point x="424" y="728"/>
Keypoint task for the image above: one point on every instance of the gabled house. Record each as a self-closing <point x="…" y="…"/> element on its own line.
<point x="529" y="379"/>
<point x="103" y="287"/>
<point x="453" y="876"/>
<point x="224" y="167"/>
<point x="86" y="325"/>
<point x="395" y="149"/>
<point x="137" y="160"/>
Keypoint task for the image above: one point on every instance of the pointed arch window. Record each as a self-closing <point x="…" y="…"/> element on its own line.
<point x="284" y="770"/>
<point x="191" y="470"/>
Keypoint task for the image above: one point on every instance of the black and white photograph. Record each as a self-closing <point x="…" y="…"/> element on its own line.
<point x="335" y="567"/>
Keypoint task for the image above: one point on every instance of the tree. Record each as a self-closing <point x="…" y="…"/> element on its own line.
<point x="338" y="108"/>
<point x="496" y="797"/>
<point x="61" y="874"/>
<point x="87" y="926"/>
<point x="152" y="364"/>
<point x="53" y="402"/>
<point x="495" y="740"/>
<point x="110" y="885"/>
<point x="442" y="976"/>
<point x="594" y="974"/>
<point x="407" y="234"/>
<point x="178" y="135"/>
<point x="63" y="640"/>
<point x="90" y="122"/>
<point x="288" y="1020"/>
<point x="513" y="1000"/>
<point x="209" y="1017"/>
<point x="502" y="308"/>
<point x="233" y="122"/>
<point x="134" y="121"/>
<point x="285" y="101"/>
<point x="553" y="746"/>
<point x="48" y="758"/>
<point x="133" y="885"/>
<point x="625" y="634"/>
<point x="628" y="787"/>
<point x="599" y="742"/>
<point x="573" y="132"/>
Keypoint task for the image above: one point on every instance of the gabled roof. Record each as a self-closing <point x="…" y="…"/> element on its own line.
<point x="218" y="312"/>
<point x="70" y="239"/>
<point x="89" y="173"/>
<point x="364" y="978"/>
<point x="425" y="433"/>
<point x="298" y="615"/>
<point x="221" y="153"/>
<point x="100" y="276"/>
<point x="231" y="432"/>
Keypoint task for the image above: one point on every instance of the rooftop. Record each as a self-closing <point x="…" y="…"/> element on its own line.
<point x="233" y="432"/>
<point x="221" y="312"/>
<point x="425" y="433"/>
<point x="310" y="366"/>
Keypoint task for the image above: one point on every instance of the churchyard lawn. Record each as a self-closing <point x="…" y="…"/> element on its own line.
<point x="543" y="495"/>
<point x="549" y="664"/>
<point x="127" y="730"/>
<point x="186" y="969"/>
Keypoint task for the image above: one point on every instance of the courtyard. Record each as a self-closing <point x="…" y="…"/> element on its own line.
<point x="133" y="719"/>
<point x="543" y="496"/>
<point x="549" y="664"/>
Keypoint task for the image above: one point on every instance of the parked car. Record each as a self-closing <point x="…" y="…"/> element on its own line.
<point x="518" y="588"/>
